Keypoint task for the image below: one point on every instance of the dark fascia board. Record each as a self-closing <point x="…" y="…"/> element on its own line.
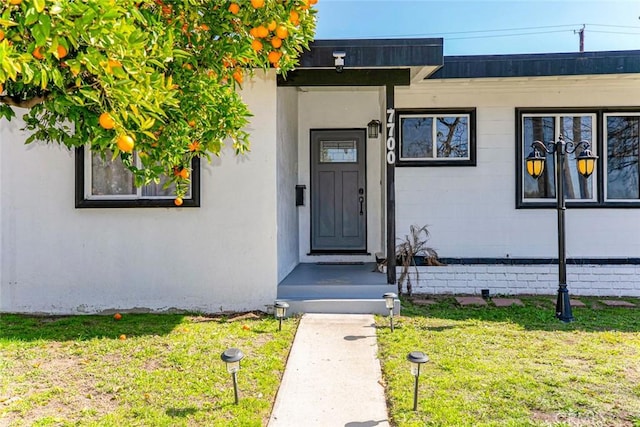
<point x="374" y="53"/>
<point x="538" y="65"/>
<point x="348" y="77"/>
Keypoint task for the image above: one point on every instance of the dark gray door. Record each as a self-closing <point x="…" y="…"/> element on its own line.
<point x="338" y="192"/>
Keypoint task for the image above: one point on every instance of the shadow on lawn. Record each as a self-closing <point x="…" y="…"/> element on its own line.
<point x="16" y="327"/>
<point x="536" y="314"/>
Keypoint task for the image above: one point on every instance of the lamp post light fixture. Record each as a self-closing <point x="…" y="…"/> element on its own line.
<point x="389" y="301"/>
<point x="373" y="128"/>
<point x="586" y="162"/>
<point x="232" y="357"/>
<point x="416" y="358"/>
<point x="281" y="312"/>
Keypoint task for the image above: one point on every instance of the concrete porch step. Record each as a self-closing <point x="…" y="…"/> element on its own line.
<point x="336" y="291"/>
<point x="340" y="306"/>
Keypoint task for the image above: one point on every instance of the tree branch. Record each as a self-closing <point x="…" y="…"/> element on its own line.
<point x="22" y="103"/>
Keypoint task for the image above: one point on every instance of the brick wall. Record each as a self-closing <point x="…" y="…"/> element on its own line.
<point x="586" y="280"/>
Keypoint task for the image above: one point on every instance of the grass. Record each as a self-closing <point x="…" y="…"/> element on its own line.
<point x="516" y="366"/>
<point x="64" y="371"/>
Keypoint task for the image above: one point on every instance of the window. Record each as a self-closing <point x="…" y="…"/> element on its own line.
<point x="622" y="137"/>
<point x="614" y="137"/>
<point x="436" y="137"/>
<point x="105" y="183"/>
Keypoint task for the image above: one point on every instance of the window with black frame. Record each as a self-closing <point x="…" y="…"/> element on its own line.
<point x="436" y="137"/>
<point x="102" y="181"/>
<point x="613" y="135"/>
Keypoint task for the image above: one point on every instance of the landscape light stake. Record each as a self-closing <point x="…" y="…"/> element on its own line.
<point x="389" y="300"/>
<point x="416" y="358"/>
<point x="280" y="312"/>
<point x="232" y="357"/>
<point x="535" y="166"/>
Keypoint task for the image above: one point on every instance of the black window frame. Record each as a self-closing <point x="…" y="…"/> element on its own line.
<point x="82" y="202"/>
<point x="597" y="146"/>
<point x="470" y="112"/>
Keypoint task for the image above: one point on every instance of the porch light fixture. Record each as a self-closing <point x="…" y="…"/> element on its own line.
<point x="586" y="162"/>
<point x="232" y="357"/>
<point x="389" y="301"/>
<point x="374" y="128"/>
<point x="416" y="358"/>
<point x="280" y="312"/>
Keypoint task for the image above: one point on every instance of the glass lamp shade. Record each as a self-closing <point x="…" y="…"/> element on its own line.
<point x="535" y="164"/>
<point x="373" y="128"/>
<point x="389" y="300"/>
<point x="232" y="357"/>
<point x="586" y="163"/>
<point x="281" y="309"/>
<point x="417" y="358"/>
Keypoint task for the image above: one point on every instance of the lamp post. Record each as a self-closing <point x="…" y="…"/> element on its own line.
<point x="232" y="357"/>
<point x="281" y="312"/>
<point x="389" y="301"/>
<point x="535" y="162"/>
<point x="416" y="358"/>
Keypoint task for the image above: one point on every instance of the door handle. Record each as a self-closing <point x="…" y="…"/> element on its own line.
<point x="361" y="205"/>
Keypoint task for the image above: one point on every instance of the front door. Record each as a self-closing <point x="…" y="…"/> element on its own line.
<point x="338" y="192"/>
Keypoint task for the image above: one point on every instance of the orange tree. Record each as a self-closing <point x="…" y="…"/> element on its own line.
<point x="158" y="78"/>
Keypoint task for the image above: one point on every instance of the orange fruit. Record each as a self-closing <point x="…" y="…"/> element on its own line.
<point x="204" y="27"/>
<point x="114" y="63"/>
<point x="125" y="143"/>
<point x="117" y="316"/>
<point x="276" y="42"/>
<point x="282" y="32"/>
<point x="62" y="51"/>
<point x="272" y="26"/>
<point x="294" y="16"/>
<point x="262" y="31"/>
<point x="192" y="123"/>
<point x="234" y="8"/>
<point x="254" y="33"/>
<point x="122" y="337"/>
<point x="256" y="45"/>
<point x="246" y="327"/>
<point x="274" y="57"/>
<point x="184" y="173"/>
<point x="237" y="75"/>
<point x="257" y="4"/>
<point x="178" y="201"/>
<point x="194" y="146"/>
<point x="312" y="2"/>
<point x="106" y="121"/>
<point x="1" y="88"/>
<point x="37" y="53"/>
<point x="1" y="35"/>
<point x="15" y="1"/>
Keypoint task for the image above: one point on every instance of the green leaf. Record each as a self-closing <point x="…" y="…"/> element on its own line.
<point x="39" y="5"/>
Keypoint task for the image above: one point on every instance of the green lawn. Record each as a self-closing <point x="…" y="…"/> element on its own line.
<point x="515" y="366"/>
<point x="63" y="371"/>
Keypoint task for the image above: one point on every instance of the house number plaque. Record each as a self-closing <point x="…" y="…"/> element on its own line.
<point x="391" y="136"/>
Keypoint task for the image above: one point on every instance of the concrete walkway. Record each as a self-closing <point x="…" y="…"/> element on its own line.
<point x="333" y="375"/>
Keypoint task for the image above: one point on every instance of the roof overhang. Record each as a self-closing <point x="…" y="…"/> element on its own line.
<point x="542" y="65"/>
<point x="366" y="62"/>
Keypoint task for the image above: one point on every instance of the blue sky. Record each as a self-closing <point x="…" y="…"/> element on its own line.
<point x="488" y="27"/>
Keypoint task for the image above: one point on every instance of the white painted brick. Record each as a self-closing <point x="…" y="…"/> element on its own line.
<point x="444" y="276"/>
<point x="477" y="268"/>
<point x="485" y="276"/>
<point x="588" y="278"/>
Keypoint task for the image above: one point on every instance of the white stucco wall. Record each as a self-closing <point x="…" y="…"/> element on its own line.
<point x="287" y="178"/>
<point x="332" y="109"/>
<point x="471" y="210"/>
<point x="221" y="256"/>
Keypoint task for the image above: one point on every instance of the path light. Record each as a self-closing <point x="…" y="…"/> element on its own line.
<point x="416" y="358"/>
<point x="389" y="301"/>
<point x="281" y="312"/>
<point x="232" y="357"/>
<point x="586" y="163"/>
